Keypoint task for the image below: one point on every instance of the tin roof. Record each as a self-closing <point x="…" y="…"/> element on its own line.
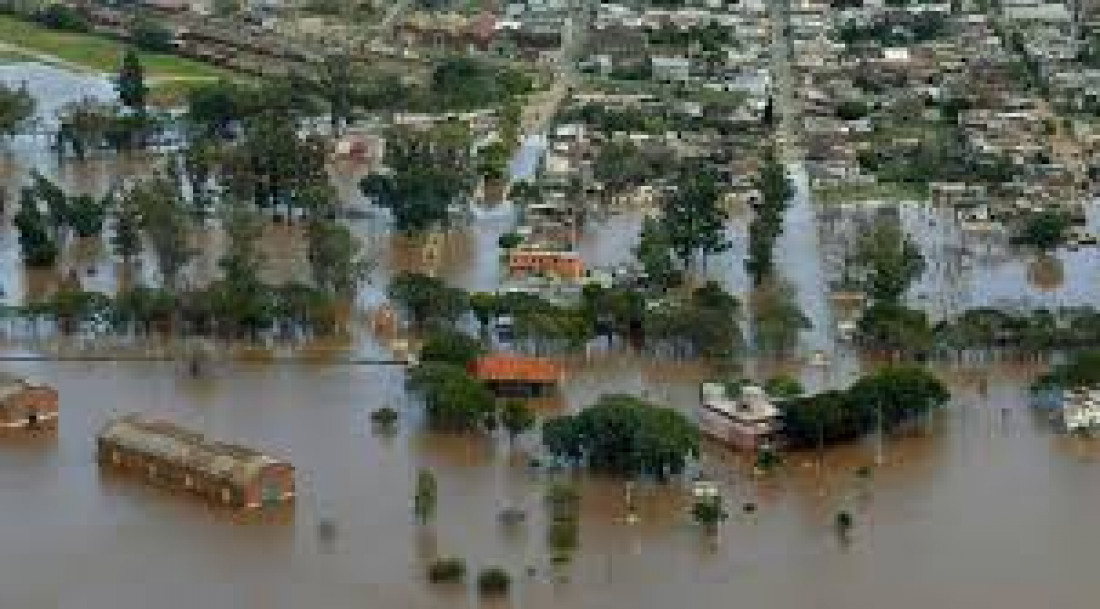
<point x="191" y="449"/>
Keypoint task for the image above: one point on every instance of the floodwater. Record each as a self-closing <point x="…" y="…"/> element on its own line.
<point x="985" y="507"/>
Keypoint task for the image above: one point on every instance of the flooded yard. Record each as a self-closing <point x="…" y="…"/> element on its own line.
<point x="987" y="507"/>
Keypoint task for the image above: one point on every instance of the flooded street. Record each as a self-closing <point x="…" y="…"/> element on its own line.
<point x="986" y="508"/>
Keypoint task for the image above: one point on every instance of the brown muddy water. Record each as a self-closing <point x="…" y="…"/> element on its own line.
<point x="986" y="507"/>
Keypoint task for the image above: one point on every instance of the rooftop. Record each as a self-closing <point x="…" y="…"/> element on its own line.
<point x="505" y="367"/>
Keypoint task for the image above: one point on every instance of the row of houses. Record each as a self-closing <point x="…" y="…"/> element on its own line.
<point x="913" y="87"/>
<point x="533" y="31"/>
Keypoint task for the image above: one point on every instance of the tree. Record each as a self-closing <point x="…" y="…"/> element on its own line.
<point x="429" y="171"/>
<point x="1044" y="230"/>
<point x="493" y="161"/>
<point x="39" y="248"/>
<point x="86" y="215"/>
<point x="16" y="108"/>
<point x="335" y="87"/>
<point x="151" y="36"/>
<point x="85" y="125"/>
<point x="336" y="257"/>
<point x="130" y="83"/>
<point x="890" y="397"/>
<point x="425" y="497"/>
<point x="654" y="253"/>
<point x="493" y="581"/>
<point x="214" y="108"/>
<point x="775" y="193"/>
<point x="485" y="306"/>
<point x="889" y="260"/>
<point x="450" y="346"/>
<point x="53" y="200"/>
<point x="126" y="239"/>
<point x="618" y="166"/>
<point x="240" y="297"/>
<point x="705" y="324"/>
<point x="783" y="387"/>
<point x="900" y="394"/>
<point x="516" y="417"/>
<point x="427" y="299"/>
<point x="509" y="240"/>
<point x="453" y="401"/>
<point x="626" y="436"/>
<point x="709" y="512"/>
<point x="692" y="219"/>
<point x="777" y="318"/>
<point x="896" y="328"/>
<point x="274" y="165"/>
<point x="447" y="571"/>
<point x="1080" y="369"/>
<point x="165" y="223"/>
<point x="58" y="16"/>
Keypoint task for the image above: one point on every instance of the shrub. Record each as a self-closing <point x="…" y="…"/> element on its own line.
<point x="493" y="581"/>
<point x="447" y="571"/>
<point x="384" y="416"/>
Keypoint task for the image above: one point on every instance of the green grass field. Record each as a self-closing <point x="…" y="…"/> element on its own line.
<point x="99" y="54"/>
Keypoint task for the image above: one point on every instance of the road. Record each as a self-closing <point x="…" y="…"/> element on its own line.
<point x="798" y="248"/>
<point x="541" y="107"/>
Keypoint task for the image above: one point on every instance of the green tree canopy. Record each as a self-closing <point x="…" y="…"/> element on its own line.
<point x="692" y="218"/>
<point x="16" y="109"/>
<point x="427" y="300"/>
<point x="889" y="260"/>
<point x="453" y="401"/>
<point x="1043" y="230"/>
<point x="450" y="346"/>
<point x="624" y="435"/>
<point x="899" y="393"/>
<point x="130" y="83"/>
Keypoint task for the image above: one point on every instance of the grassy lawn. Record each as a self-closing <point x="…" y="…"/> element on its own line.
<point x="883" y="191"/>
<point x="99" y="54"/>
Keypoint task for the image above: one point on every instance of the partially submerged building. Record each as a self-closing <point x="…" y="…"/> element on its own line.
<point x="749" y="421"/>
<point x="26" y="405"/>
<point x="511" y="374"/>
<point x="171" y="456"/>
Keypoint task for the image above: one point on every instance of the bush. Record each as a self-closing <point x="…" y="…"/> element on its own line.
<point x="494" y="581"/>
<point x="447" y="571"/>
<point x="63" y="18"/>
<point x="152" y="36"/>
<point x="709" y="512"/>
<point x="384" y="419"/>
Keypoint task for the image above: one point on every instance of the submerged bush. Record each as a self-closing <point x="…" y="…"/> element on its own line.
<point x="494" y="581"/>
<point x="447" y="571"/>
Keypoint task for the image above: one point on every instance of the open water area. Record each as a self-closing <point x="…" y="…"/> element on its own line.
<point x="985" y="507"/>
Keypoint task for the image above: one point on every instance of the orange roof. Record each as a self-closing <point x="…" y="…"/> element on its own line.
<point x="508" y="367"/>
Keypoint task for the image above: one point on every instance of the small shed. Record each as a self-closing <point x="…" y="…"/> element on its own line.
<point x="167" y="455"/>
<point x="26" y="405"/>
<point x="511" y="374"/>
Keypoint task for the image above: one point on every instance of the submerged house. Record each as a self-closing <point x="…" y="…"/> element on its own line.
<point x="511" y="374"/>
<point x="1081" y="409"/>
<point x="26" y="405"/>
<point x="168" y="455"/>
<point x="749" y="421"/>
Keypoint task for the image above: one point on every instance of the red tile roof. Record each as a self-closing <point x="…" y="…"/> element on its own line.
<point x="516" y="368"/>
